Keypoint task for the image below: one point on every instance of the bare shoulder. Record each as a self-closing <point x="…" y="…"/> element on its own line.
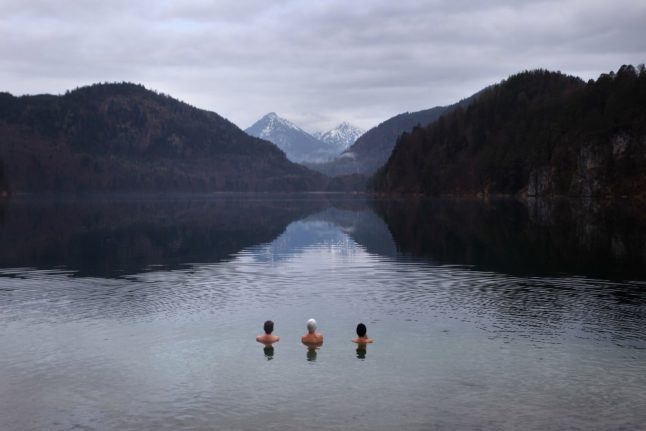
<point x="267" y="338"/>
<point x="312" y="339"/>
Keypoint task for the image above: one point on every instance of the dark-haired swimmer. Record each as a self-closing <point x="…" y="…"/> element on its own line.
<point x="362" y="335"/>
<point x="267" y="338"/>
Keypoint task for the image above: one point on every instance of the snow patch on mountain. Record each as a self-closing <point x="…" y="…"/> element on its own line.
<point x="342" y="136"/>
<point x="273" y="124"/>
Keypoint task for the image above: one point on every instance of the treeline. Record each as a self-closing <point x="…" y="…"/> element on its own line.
<point x="125" y="137"/>
<point x="4" y="185"/>
<point x="372" y="149"/>
<point x="536" y="133"/>
<point x="125" y="117"/>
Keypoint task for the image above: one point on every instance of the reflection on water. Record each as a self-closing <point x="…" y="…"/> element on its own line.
<point x="362" y="349"/>
<point x="269" y="352"/>
<point x="538" y="237"/>
<point x="111" y="236"/>
<point x="312" y="353"/>
<point x="140" y="314"/>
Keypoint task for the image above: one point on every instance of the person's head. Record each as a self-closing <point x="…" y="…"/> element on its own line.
<point x="311" y="326"/>
<point x="361" y="330"/>
<point x="269" y="327"/>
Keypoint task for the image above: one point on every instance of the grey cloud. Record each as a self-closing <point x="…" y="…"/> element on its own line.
<point x="316" y="62"/>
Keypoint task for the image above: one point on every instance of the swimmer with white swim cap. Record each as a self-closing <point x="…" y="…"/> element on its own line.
<point x="312" y="338"/>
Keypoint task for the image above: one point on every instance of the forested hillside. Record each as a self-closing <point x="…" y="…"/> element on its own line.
<point x="125" y="137"/>
<point x="537" y="133"/>
<point x="372" y="149"/>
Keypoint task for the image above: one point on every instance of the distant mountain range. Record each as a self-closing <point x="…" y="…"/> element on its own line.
<point x="372" y="149"/>
<point x="125" y="137"/>
<point x="537" y="133"/>
<point x="300" y="146"/>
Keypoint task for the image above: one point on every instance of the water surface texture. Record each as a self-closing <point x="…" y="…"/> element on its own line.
<point x="140" y="312"/>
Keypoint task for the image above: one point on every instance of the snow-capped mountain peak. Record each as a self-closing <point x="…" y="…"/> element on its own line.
<point x="300" y="146"/>
<point x="342" y="136"/>
<point x="272" y="123"/>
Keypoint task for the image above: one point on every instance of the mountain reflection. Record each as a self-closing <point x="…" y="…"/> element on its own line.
<point x="108" y="236"/>
<point x="112" y="236"/>
<point x="514" y="237"/>
<point x="116" y="236"/>
<point x="342" y="229"/>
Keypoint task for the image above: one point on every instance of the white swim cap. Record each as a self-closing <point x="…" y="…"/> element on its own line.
<point x="311" y="325"/>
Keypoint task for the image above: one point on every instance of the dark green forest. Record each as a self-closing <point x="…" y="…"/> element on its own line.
<point x="537" y="133"/>
<point x="125" y="137"/>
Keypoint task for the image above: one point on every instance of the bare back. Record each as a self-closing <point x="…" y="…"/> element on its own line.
<point x="267" y="338"/>
<point x="312" y="338"/>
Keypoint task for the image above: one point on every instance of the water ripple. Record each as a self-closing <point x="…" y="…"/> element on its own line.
<point x="501" y="304"/>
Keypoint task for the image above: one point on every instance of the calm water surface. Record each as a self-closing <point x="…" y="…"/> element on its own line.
<point x="138" y="313"/>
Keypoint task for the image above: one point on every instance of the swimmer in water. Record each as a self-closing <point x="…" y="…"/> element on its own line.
<point x="362" y="335"/>
<point x="267" y="337"/>
<point x="312" y="338"/>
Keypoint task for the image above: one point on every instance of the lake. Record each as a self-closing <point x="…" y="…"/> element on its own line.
<point x="139" y="312"/>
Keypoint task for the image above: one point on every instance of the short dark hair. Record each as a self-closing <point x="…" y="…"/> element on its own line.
<point x="361" y="330"/>
<point x="269" y="327"/>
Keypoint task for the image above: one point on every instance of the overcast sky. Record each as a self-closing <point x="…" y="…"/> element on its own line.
<point x="316" y="63"/>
